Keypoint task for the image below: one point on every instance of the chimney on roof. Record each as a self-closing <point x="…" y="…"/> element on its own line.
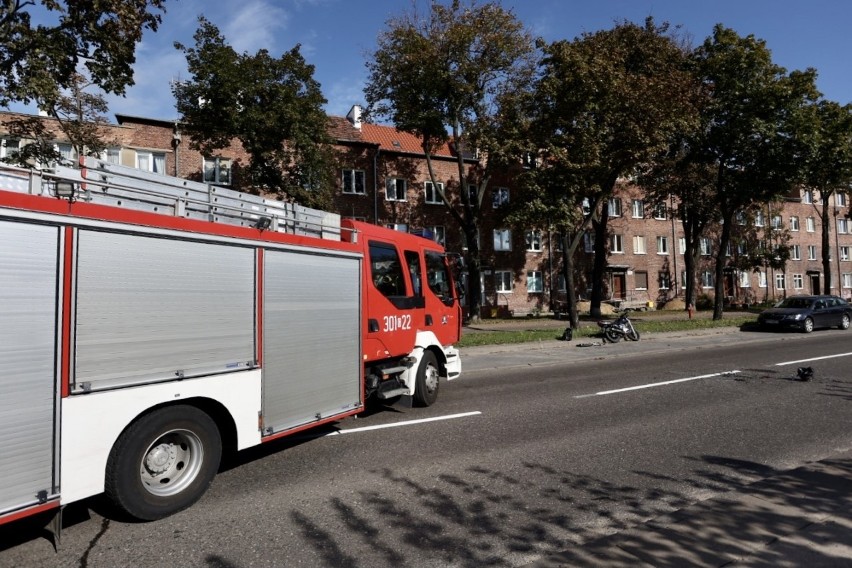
<point x="354" y="116"/>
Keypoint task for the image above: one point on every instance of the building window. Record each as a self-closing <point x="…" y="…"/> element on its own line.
<point x="439" y="234"/>
<point x="795" y="253"/>
<point x="154" y="162"/>
<point x="534" y="282"/>
<point x="807" y="196"/>
<point x="840" y="199"/>
<point x="638" y="209"/>
<point x="780" y="281"/>
<point x="847" y="280"/>
<point x="662" y="245"/>
<point x="843" y="226"/>
<point x="395" y="189"/>
<point x="112" y="156"/>
<point x="844" y="253"/>
<point x="560" y="283"/>
<point x="354" y="182"/>
<point x="759" y="220"/>
<point x="533" y="241"/>
<point x="745" y="279"/>
<point x="761" y="279"/>
<point x="613" y="207"/>
<point x="707" y="279"/>
<point x="587" y="206"/>
<point x="665" y="280"/>
<point x="639" y="245"/>
<point x="706" y="246"/>
<point x="502" y="239"/>
<point x="500" y="197"/>
<point x="776" y="222"/>
<point x="401" y="227"/>
<point x="660" y="212"/>
<point x="503" y="281"/>
<point x="589" y="242"/>
<point x="810" y="225"/>
<point x="811" y="252"/>
<point x="217" y="170"/>
<point x="615" y="244"/>
<point x="641" y="279"/>
<point x="798" y="281"/>
<point x="9" y="147"/>
<point x="431" y="194"/>
<point x="794" y="223"/>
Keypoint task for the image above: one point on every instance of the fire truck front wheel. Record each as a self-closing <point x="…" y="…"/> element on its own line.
<point x="428" y="375"/>
<point x="163" y="462"/>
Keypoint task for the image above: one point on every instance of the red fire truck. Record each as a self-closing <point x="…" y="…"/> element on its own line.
<point x="148" y="324"/>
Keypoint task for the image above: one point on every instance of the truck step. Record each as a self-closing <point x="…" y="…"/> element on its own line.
<point x="384" y="395"/>
<point x="394" y="370"/>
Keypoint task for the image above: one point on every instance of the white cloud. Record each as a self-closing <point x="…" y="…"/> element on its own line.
<point x="255" y="25"/>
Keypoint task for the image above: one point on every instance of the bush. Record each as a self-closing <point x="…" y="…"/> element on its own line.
<point x="704" y="302"/>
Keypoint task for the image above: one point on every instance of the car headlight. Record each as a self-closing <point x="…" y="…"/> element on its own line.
<point x="795" y="317"/>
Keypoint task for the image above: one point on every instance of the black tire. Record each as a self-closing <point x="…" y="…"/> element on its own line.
<point x="428" y="380"/>
<point x="633" y="335"/>
<point x="808" y="325"/>
<point x="612" y="335"/>
<point x="163" y="462"/>
<point x="844" y="321"/>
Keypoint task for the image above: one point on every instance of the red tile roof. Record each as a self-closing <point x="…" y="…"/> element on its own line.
<point x="387" y="138"/>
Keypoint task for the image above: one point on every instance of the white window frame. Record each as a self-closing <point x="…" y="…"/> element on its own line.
<point x="639" y="245"/>
<point x="214" y="164"/>
<point x="636" y="279"/>
<point x="393" y="191"/>
<point x="794" y="223"/>
<point x="613" y="207"/>
<point x="807" y="196"/>
<point x="664" y="280"/>
<point x="616" y="244"/>
<point x="798" y="282"/>
<point x="589" y="242"/>
<point x="840" y="199"/>
<point x="810" y="224"/>
<point x="153" y="159"/>
<point x="795" y="252"/>
<point x="844" y="252"/>
<point x="777" y="222"/>
<point x="439" y="234"/>
<point x="499" y="197"/>
<point x="431" y="195"/>
<point x="500" y="279"/>
<point x="706" y="246"/>
<point x="707" y="279"/>
<point x="812" y="255"/>
<point x="351" y="188"/>
<point x="847" y="279"/>
<point x="759" y="219"/>
<point x="842" y="225"/>
<point x="662" y="245"/>
<point x="745" y="279"/>
<point x="502" y="240"/>
<point x="533" y="240"/>
<point x="535" y="283"/>
<point x="761" y="279"/>
<point x="638" y="207"/>
<point x="780" y="281"/>
<point x="7" y="149"/>
<point x="660" y="212"/>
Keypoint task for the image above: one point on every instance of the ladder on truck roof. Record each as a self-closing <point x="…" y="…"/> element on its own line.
<point x="104" y="183"/>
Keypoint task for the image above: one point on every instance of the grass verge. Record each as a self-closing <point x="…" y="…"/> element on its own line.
<point x="502" y="337"/>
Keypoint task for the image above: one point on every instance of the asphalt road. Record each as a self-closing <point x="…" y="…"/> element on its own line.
<point x="535" y="448"/>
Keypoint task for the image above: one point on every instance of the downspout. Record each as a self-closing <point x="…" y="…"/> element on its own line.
<point x="176" y="140"/>
<point x="675" y="245"/>
<point x="376" y="185"/>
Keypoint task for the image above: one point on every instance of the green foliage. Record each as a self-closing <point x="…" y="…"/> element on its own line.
<point x="273" y="106"/>
<point x="456" y="75"/>
<point x="38" y="62"/>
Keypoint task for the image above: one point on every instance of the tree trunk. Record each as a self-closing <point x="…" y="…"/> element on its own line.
<point x="721" y="260"/>
<point x="568" y="273"/>
<point x="600" y="262"/>
<point x="826" y="243"/>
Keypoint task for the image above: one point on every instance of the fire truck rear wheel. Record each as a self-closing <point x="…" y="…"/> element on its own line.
<point x="163" y="462"/>
<point x="428" y="375"/>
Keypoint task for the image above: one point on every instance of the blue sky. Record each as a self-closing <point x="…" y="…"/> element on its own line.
<point x="337" y="37"/>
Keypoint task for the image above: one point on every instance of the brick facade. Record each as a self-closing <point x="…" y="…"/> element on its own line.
<point x="521" y="266"/>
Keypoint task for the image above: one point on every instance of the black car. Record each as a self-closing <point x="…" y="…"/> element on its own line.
<point x="807" y="313"/>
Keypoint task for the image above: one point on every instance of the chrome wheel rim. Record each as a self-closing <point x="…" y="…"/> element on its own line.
<point x="171" y="463"/>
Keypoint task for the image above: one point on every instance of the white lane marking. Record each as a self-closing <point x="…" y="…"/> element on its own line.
<point x="651" y="385"/>
<point x="405" y="423"/>
<point x="812" y="359"/>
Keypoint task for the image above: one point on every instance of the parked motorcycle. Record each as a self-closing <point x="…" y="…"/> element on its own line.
<point x="614" y="330"/>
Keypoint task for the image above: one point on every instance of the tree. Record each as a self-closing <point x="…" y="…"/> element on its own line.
<point x="606" y="104"/>
<point x="828" y="165"/>
<point x="749" y="128"/>
<point x="79" y="115"/>
<point x="273" y="106"/>
<point x="39" y="62"/>
<point x="444" y="78"/>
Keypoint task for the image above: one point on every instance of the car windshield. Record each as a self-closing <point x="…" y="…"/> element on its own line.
<point x="799" y="303"/>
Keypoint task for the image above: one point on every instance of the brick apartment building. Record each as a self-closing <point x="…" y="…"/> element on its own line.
<point x="383" y="179"/>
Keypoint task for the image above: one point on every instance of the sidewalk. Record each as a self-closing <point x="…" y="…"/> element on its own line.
<point x="800" y="517"/>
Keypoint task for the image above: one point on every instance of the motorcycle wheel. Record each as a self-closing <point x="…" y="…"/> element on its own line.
<point x="612" y="335"/>
<point x="633" y="335"/>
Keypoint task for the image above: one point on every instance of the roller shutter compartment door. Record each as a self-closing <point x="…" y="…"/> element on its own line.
<point x="152" y="309"/>
<point x="28" y="395"/>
